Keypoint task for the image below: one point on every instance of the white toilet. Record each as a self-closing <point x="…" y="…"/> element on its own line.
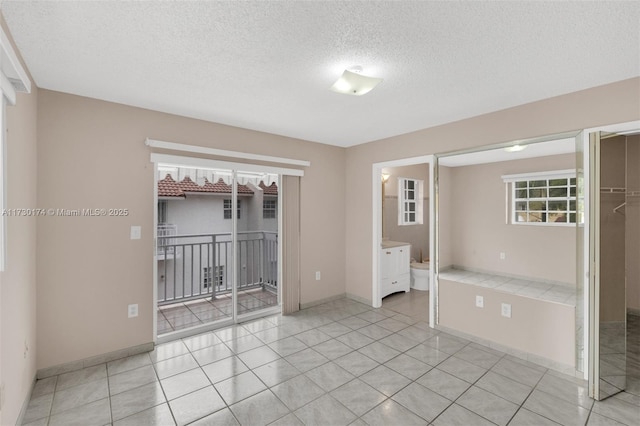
<point x="420" y="276"/>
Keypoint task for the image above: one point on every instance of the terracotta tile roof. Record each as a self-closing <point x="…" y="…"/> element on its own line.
<point x="168" y="187"/>
<point x="244" y="189"/>
<point x="269" y="190"/>
<point x="220" y="186"/>
<point x="187" y="185"/>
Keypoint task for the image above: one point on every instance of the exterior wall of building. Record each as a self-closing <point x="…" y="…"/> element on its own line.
<point x="192" y="268"/>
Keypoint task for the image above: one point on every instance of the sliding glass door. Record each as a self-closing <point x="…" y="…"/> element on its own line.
<point x="256" y="240"/>
<point x="194" y="253"/>
<point x="217" y="247"/>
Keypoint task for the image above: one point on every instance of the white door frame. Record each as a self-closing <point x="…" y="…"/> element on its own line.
<point x="377" y="228"/>
<point x="591" y="255"/>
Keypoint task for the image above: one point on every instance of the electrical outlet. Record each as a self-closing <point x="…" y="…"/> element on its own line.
<point x="503" y="255"/>
<point x="506" y="310"/>
<point x="133" y="311"/>
<point x="317" y="275"/>
<point x="479" y="302"/>
<point x="136" y="232"/>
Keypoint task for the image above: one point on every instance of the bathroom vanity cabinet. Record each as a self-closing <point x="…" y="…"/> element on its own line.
<point x="395" y="258"/>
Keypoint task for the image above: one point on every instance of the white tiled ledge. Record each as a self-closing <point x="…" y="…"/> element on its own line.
<point x="548" y="291"/>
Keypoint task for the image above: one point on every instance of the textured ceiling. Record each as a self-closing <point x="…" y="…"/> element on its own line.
<point x="268" y="65"/>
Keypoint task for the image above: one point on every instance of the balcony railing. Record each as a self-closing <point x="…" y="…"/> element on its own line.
<point x="166" y="234"/>
<point x="197" y="266"/>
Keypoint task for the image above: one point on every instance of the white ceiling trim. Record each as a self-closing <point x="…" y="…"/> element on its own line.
<point x="205" y="163"/>
<point x="13" y="77"/>
<point x="153" y="143"/>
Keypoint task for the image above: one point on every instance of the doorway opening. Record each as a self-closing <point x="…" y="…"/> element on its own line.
<point x="404" y="262"/>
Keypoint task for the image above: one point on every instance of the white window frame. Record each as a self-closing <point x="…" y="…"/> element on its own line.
<point x="270" y="211"/>
<point x="206" y="276"/>
<point x="213" y="276"/>
<point x="546" y="176"/>
<point x="13" y="78"/>
<point x="227" y="206"/>
<point x="405" y="202"/>
<point x="162" y="212"/>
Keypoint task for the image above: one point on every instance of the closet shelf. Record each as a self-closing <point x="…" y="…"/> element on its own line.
<point x="608" y="190"/>
<point x="621" y="191"/>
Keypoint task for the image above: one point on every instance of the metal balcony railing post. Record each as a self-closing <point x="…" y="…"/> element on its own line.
<point x="262" y="245"/>
<point x="257" y="248"/>
<point x="215" y="270"/>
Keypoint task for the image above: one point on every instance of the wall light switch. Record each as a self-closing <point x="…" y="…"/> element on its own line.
<point x="479" y="302"/>
<point x="136" y="232"/>
<point x="506" y="310"/>
<point x="317" y="275"/>
<point x="503" y="255"/>
<point x="132" y="311"/>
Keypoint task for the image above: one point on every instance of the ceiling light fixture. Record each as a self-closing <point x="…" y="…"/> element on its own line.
<point x="516" y="148"/>
<point x="352" y="82"/>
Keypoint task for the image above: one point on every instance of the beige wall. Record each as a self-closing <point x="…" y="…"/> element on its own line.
<point x="91" y="154"/>
<point x="18" y="282"/>
<point x="612" y="103"/>
<point x="416" y="235"/>
<point x="479" y="232"/>
<point x="537" y="317"/>
<point x="632" y="212"/>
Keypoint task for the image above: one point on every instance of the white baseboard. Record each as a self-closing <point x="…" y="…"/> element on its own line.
<point x="321" y="301"/>
<point x="94" y="360"/>
<point x="541" y="361"/>
<point x="359" y="299"/>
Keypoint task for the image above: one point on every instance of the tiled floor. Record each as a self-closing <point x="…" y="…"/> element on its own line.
<point x="180" y="316"/>
<point x="338" y="363"/>
<point x="415" y="304"/>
